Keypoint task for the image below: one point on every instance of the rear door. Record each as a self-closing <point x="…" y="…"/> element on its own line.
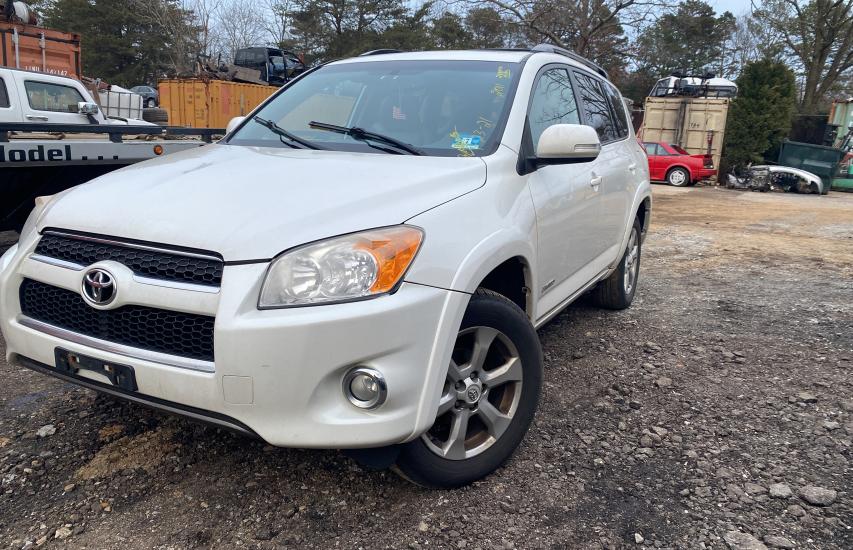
<point x="46" y="101"/>
<point x="566" y="204"/>
<point x="616" y="166"/>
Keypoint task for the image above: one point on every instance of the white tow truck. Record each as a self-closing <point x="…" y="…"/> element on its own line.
<point x="54" y="135"/>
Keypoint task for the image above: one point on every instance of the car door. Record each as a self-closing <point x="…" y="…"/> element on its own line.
<point x="8" y="112"/>
<point x="566" y="203"/>
<point x="50" y="102"/>
<point x="616" y="165"/>
<point x="654" y="161"/>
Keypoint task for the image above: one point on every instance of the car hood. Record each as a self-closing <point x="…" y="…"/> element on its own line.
<point x="250" y="203"/>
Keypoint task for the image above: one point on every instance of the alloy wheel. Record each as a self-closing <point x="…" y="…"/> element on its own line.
<point x="480" y="396"/>
<point x="632" y="263"/>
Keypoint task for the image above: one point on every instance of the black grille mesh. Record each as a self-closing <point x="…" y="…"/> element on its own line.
<point x="158" y="265"/>
<point x="172" y="332"/>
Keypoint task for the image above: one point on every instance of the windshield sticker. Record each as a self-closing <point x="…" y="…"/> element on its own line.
<point x="503" y="73"/>
<point x="465" y="143"/>
<point x="397" y="113"/>
<point x="498" y="90"/>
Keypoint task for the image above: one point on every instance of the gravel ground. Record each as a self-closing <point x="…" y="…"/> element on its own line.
<point x="717" y="412"/>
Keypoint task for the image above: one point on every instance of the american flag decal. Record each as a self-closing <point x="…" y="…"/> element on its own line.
<point x="397" y="113"/>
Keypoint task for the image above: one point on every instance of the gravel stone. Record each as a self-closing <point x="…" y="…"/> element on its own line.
<point x="818" y="496"/>
<point x="778" y="542"/>
<point x="780" y="490"/>
<point x="738" y="540"/>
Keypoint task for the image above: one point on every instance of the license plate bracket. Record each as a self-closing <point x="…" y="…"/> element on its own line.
<point x="71" y="362"/>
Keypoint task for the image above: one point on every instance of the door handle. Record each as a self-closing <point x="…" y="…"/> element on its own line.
<point x="37" y="117"/>
<point x="595" y="182"/>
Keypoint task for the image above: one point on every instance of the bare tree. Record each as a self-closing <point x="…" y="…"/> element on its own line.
<point x="819" y="36"/>
<point x="594" y="28"/>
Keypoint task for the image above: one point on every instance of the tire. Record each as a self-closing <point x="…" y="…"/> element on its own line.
<point x="617" y="291"/>
<point x="496" y="330"/>
<point x="150" y="103"/>
<point x="678" y="177"/>
<point x="156" y="115"/>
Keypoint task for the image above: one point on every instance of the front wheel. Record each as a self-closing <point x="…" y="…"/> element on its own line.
<point x="487" y="401"/>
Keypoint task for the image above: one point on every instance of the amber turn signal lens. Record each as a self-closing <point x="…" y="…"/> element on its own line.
<point x="394" y="249"/>
<point x="158" y="150"/>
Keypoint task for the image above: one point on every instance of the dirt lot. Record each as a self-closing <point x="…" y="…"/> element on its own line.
<point x="719" y="408"/>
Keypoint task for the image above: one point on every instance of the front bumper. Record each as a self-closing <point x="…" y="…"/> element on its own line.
<point x="277" y="373"/>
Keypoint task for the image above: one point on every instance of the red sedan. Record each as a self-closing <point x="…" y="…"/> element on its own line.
<point x="674" y="165"/>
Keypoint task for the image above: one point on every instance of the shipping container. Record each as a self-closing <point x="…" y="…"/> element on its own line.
<point x="209" y="103"/>
<point x="698" y="125"/>
<point x="36" y="49"/>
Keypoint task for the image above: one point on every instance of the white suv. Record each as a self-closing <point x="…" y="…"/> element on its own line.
<point x="361" y="264"/>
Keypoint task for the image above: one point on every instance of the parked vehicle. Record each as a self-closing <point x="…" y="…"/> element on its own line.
<point x="31" y="96"/>
<point x="277" y="66"/>
<point x="361" y="264"/>
<point x="674" y="165"/>
<point x="150" y="96"/>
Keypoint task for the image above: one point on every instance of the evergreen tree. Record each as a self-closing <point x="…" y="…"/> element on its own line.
<point x="760" y="116"/>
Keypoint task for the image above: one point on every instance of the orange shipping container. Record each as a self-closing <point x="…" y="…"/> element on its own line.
<point x="37" y="49"/>
<point x="209" y="103"/>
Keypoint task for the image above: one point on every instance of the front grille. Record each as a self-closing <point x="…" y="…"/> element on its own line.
<point x="165" y="265"/>
<point x="172" y="332"/>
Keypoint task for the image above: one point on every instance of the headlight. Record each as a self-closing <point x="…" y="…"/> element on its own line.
<point x="352" y="267"/>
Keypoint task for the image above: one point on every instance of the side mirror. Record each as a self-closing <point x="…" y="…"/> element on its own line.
<point x="87" y="108"/>
<point x="233" y="123"/>
<point x="567" y="144"/>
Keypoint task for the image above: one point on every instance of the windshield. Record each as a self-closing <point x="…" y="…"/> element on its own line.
<point x="443" y="108"/>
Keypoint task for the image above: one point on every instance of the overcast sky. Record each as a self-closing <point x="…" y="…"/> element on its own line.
<point x="737" y="7"/>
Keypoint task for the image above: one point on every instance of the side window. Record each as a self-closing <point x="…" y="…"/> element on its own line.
<point x="618" y="106"/>
<point x="651" y="149"/>
<point x="44" y="96"/>
<point x="552" y="102"/>
<point x="4" y="95"/>
<point x="596" y="107"/>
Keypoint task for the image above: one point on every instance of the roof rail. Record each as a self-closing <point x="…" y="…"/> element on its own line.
<point x="550" y="48"/>
<point x="380" y="52"/>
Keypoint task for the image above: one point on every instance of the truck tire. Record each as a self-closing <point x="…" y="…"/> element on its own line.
<point x="493" y="380"/>
<point x="678" y="177"/>
<point x="156" y="115"/>
<point x="617" y="291"/>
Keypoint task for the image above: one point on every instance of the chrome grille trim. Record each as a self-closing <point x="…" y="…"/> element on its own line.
<point x="119" y="349"/>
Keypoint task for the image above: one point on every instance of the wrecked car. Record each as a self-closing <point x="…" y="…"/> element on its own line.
<point x="764" y="177"/>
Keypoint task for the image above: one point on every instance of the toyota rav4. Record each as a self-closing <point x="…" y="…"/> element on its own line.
<point x="362" y="263"/>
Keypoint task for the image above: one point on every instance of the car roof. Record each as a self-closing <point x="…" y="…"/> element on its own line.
<point x="494" y="55"/>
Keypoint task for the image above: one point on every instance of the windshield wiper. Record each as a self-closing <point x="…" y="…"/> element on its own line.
<point x="363" y="135"/>
<point x="293" y="140"/>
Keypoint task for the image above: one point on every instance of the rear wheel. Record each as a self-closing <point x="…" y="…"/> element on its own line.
<point x="150" y="103"/>
<point x="488" y="399"/>
<point x="679" y="177"/>
<point x="617" y="291"/>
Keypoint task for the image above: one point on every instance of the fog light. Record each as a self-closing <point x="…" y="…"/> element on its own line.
<point x="365" y="388"/>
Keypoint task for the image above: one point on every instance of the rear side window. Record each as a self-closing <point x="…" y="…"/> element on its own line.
<point x="618" y="106"/>
<point x="552" y="102"/>
<point x="651" y="149"/>
<point x="596" y="108"/>
<point x="44" y="96"/>
<point x="4" y="95"/>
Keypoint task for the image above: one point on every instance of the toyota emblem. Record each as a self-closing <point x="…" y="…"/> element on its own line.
<point x="99" y="287"/>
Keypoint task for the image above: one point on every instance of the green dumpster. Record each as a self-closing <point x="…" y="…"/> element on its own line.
<point x="820" y="160"/>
